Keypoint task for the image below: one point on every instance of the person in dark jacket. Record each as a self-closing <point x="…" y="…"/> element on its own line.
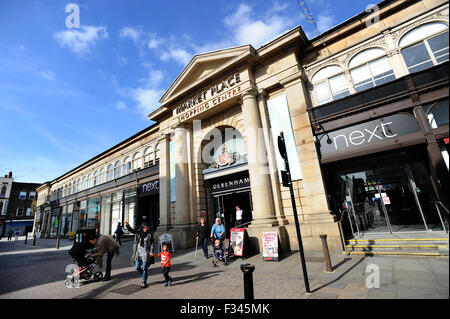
<point x="119" y="233"/>
<point x="142" y="250"/>
<point x="203" y="232"/>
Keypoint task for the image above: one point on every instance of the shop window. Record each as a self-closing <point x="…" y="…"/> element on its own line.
<point x="438" y="114"/>
<point x="330" y="84"/>
<point x="127" y="166"/>
<point x="425" y="46"/>
<point x="137" y="161"/>
<point x="23" y="195"/>
<point x="370" y="68"/>
<point x="149" y="157"/>
<point x="93" y="212"/>
<point x="82" y="216"/>
<point x="110" y="172"/>
<point x="117" y="169"/>
<point x="32" y="195"/>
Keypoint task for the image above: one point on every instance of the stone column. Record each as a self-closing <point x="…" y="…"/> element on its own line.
<point x="164" y="184"/>
<point x="263" y="208"/>
<point x="272" y="148"/>
<point x="182" y="209"/>
<point x="314" y="214"/>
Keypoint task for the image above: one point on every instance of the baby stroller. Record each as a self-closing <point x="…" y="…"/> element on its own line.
<point x="84" y="272"/>
<point x="219" y="254"/>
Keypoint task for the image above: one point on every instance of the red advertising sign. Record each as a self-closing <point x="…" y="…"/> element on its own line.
<point x="237" y="241"/>
<point x="270" y="246"/>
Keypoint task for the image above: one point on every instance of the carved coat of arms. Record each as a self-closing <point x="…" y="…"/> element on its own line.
<point x="225" y="158"/>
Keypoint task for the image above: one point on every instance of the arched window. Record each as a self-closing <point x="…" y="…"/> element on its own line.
<point x="127" y="166"/>
<point x="137" y="161"/>
<point x="425" y="46"/>
<point x="369" y="68"/>
<point x="117" y="169"/>
<point x="330" y="84"/>
<point x="110" y="172"/>
<point x="149" y="157"/>
<point x="70" y="191"/>
<point x="102" y="175"/>
<point x="3" y="193"/>
<point x="96" y="178"/>
<point x="157" y="154"/>
<point x="65" y="191"/>
<point x="90" y="181"/>
<point x="85" y="184"/>
<point x="79" y="185"/>
<point x="438" y="114"/>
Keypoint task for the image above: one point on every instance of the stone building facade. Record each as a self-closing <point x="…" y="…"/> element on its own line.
<point x="217" y="123"/>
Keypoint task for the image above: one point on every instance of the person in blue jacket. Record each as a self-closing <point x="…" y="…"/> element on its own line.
<point x="217" y="231"/>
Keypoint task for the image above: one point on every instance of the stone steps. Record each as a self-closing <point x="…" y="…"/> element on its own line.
<point x="386" y="246"/>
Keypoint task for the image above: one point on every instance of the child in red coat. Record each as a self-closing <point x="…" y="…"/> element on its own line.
<point x="165" y="264"/>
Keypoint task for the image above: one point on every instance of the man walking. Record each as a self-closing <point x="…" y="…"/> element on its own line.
<point x="239" y="213"/>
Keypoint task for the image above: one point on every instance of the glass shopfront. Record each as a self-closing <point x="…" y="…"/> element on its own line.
<point x="93" y="212"/>
<point x="54" y="223"/>
<point x="229" y="192"/>
<point x="82" y="215"/>
<point x="116" y="211"/>
<point x="385" y="192"/>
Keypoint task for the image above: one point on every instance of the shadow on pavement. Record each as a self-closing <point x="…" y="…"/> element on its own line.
<point x="340" y="276"/>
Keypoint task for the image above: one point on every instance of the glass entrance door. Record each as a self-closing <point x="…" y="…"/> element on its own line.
<point x="390" y="192"/>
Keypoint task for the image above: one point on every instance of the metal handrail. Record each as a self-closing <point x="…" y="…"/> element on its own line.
<point x="342" y="231"/>
<point x="436" y="203"/>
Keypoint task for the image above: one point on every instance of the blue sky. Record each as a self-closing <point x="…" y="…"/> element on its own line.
<point x="67" y="95"/>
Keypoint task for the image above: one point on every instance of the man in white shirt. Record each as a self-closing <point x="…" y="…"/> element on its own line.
<point x="239" y="213"/>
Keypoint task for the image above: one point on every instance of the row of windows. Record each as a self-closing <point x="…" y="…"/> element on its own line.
<point x="130" y="164"/>
<point x="31" y="195"/>
<point x="421" y="48"/>
<point x="20" y="210"/>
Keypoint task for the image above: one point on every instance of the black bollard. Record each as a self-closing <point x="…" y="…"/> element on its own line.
<point x="34" y="239"/>
<point x="248" y="269"/>
<point x="57" y="242"/>
<point x="326" y="254"/>
<point x="26" y="238"/>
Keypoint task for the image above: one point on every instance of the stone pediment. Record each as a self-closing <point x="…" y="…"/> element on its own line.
<point x="203" y="66"/>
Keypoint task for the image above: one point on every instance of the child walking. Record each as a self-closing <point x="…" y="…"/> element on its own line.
<point x="165" y="264"/>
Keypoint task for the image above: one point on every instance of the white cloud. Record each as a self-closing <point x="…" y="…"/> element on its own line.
<point x="49" y="75"/>
<point x="153" y="43"/>
<point x="147" y="99"/>
<point x="256" y="31"/>
<point x="134" y="33"/>
<point x="179" y="55"/>
<point x="22" y="47"/>
<point x="80" y="41"/>
<point x="121" y="105"/>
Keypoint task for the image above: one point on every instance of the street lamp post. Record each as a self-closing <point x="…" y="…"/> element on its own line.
<point x="287" y="182"/>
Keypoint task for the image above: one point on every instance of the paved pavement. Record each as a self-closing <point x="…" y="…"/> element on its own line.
<point x="35" y="272"/>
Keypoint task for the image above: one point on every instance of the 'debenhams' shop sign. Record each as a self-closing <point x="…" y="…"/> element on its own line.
<point x="367" y="134"/>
